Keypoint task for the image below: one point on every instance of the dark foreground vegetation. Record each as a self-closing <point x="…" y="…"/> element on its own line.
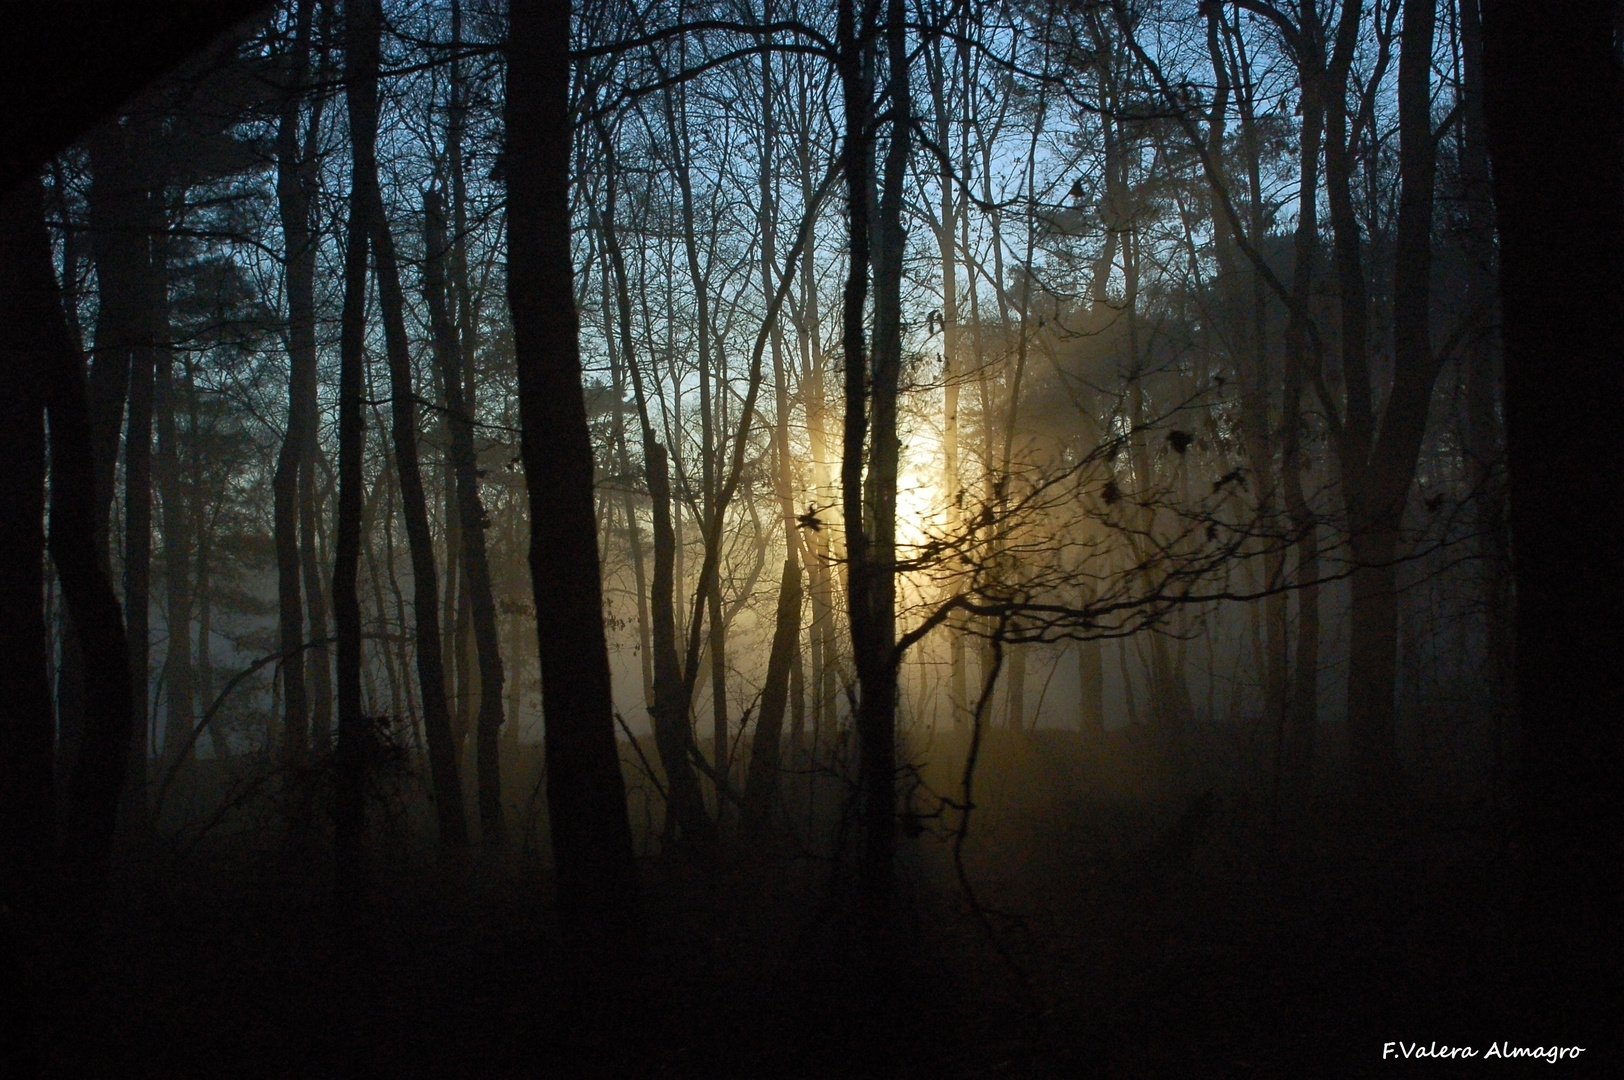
<point x="1109" y="934"/>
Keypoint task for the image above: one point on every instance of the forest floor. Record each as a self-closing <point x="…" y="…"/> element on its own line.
<point x="1109" y="937"/>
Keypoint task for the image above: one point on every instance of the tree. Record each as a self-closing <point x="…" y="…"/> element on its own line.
<point x="586" y="796"/>
<point x="471" y="517"/>
<point x="294" y="180"/>
<point x="362" y="93"/>
<point x="41" y="353"/>
<point x="27" y="735"/>
<point x="350" y="751"/>
<point x="1555" y="109"/>
<point x="868" y="471"/>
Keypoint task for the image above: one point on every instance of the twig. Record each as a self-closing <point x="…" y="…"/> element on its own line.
<point x="647" y="768"/>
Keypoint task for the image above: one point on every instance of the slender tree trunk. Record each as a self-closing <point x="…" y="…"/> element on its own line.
<point x="1256" y="374"/>
<point x="1298" y="716"/>
<point x="761" y="784"/>
<point x="456" y="677"/>
<point x="711" y="447"/>
<point x="1015" y="688"/>
<point x="857" y="91"/>
<point x="315" y="586"/>
<point x="586" y="795"/>
<point x="946" y="248"/>
<point x="1381" y="487"/>
<point x="1368" y="731"/>
<point x="475" y="563"/>
<point x="634" y="535"/>
<point x="1485" y="434"/>
<point x="673" y="732"/>
<point x="363" y="103"/>
<point x="293" y="203"/>
<point x="716" y="627"/>
<point x="115" y="220"/>
<point x="797" y="701"/>
<point x="138" y="503"/>
<point x="70" y="669"/>
<point x="870" y="438"/>
<point x="203" y="574"/>
<point x="349" y="775"/>
<point x="1126" y="673"/>
<point x="820" y="584"/>
<point x="177" y="541"/>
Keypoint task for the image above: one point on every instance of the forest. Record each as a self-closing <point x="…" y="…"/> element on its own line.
<point x="893" y="538"/>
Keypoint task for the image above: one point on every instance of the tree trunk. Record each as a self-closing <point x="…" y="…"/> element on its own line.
<point x="586" y="795"/>
<point x="870" y="438"/>
<point x="118" y="219"/>
<point x="177" y="521"/>
<point x="820" y="586"/>
<point x="1377" y="488"/>
<point x="711" y="446"/>
<point x="138" y="500"/>
<point x="1485" y="435"/>
<point x="1555" y="111"/>
<point x="1253" y="352"/>
<point x="203" y="576"/>
<point x="1370" y="727"/>
<point x="315" y="585"/>
<point x="475" y="564"/>
<point x="1297" y="718"/>
<point x="349" y="765"/>
<point x="618" y="360"/>
<point x="27" y="728"/>
<point x="115" y="222"/>
<point x="673" y="732"/>
<point x="293" y="177"/>
<point x="761" y="785"/>
<point x="363" y="105"/>
<point x="946" y="249"/>
<point x="80" y="556"/>
<point x="1015" y="688"/>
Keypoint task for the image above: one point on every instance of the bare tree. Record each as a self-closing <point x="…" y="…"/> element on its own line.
<point x="1552" y="100"/>
<point x="585" y="792"/>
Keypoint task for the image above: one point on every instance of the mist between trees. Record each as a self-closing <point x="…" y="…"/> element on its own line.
<point x="1153" y="395"/>
<point x="842" y="394"/>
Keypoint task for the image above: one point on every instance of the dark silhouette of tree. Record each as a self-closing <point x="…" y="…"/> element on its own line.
<point x="869" y="443"/>
<point x="1554" y="101"/>
<point x="42" y="356"/>
<point x="471" y="517"/>
<point x="586" y="795"/>
<point x="295" y="176"/>
<point x="671" y="694"/>
<point x="350" y="751"/>
<point x="27" y="738"/>
<point x="362" y="93"/>
<point x="1379" y="459"/>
